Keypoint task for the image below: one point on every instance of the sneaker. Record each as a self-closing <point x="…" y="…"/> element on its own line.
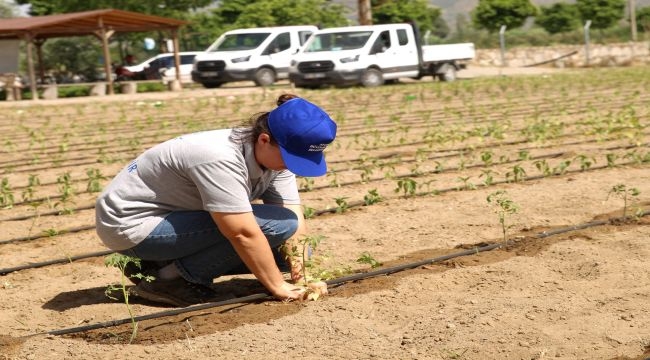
<point x="177" y="292"/>
<point x="146" y="267"/>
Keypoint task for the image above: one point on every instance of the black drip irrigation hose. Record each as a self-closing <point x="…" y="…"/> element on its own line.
<point x="55" y="261"/>
<point x="332" y="283"/>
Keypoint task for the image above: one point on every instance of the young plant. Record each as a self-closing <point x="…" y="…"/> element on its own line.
<point x="366" y="258"/>
<point x="308" y="212"/>
<point x="6" y="194"/>
<point x="120" y="262"/>
<point x="341" y="204"/>
<point x="623" y="192"/>
<point x="372" y="197"/>
<point x="94" y="180"/>
<point x="29" y="191"/>
<point x="406" y="186"/>
<point x="504" y="207"/>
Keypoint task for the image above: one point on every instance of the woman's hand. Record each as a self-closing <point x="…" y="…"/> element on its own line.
<point x="289" y="292"/>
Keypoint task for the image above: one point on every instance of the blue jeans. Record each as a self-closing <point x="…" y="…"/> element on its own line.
<point x="201" y="253"/>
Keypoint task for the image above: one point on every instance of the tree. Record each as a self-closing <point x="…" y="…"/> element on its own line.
<point x="252" y="13"/>
<point x="167" y="8"/>
<point x="559" y="17"/>
<point x="397" y="11"/>
<point x="492" y="14"/>
<point x="7" y="10"/>
<point x="643" y="19"/>
<point x="602" y="13"/>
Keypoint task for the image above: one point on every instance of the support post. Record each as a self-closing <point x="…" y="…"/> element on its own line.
<point x="177" y="62"/>
<point x="365" y="14"/>
<point x="104" y="35"/>
<point x="30" y="66"/>
<point x="39" y="56"/>
<point x="502" y="42"/>
<point x="586" y="29"/>
<point x="632" y="6"/>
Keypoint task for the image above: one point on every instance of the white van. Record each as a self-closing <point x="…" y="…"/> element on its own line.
<point x="262" y="55"/>
<point x="372" y="54"/>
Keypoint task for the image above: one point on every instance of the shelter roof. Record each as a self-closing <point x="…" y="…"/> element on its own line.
<point x="84" y="23"/>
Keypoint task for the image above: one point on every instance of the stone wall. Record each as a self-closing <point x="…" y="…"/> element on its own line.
<point x="622" y="54"/>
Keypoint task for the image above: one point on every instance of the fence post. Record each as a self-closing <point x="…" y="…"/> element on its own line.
<point x="502" y="41"/>
<point x="586" y="28"/>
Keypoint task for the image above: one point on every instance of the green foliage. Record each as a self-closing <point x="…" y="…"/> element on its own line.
<point x="492" y="14"/>
<point x="6" y="194"/>
<point x="120" y="262"/>
<point x="372" y="197"/>
<point x="643" y="19"/>
<point x="366" y="258"/>
<point x="406" y="186"/>
<point x="94" y="180"/>
<point x="250" y="13"/>
<point x="428" y="18"/>
<point x="7" y="10"/>
<point x="623" y="192"/>
<point x="341" y="204"/>
<point x="65" y="57"/>
<point x="559" y="17"/>
<point x="602" y="13"/>
<point x="504" y="207"/>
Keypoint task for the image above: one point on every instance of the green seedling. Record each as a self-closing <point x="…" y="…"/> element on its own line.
<point x="543" y="167"/>
<point x="341" y="204"/>
<point x="406" y="186"/>
<point x="30" y="189"/>
<point x="95" y="178"/>
<point x="308" y="212"/>
<point x="372" y="197"/>
<point x="611" y="160"/>
<point x="6" y="194"/>
<point x="307" y="183"/>
<point x="624" y="192"/>
<point x="489" y="177"/>
<point x="585" y="161"/>
<point x="120" y="262"/>
<point x="504" y="207"/>
<point x="467" y="185"/>
<point x="517" y="174"/>
<point x="562" y="167"/>
<point x="366" y="258"/>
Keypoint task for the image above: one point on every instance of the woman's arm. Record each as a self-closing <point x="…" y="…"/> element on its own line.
<point x="251" y="245"/>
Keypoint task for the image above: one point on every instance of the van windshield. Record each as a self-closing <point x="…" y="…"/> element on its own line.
<point x="234" y="42"/>
<point x="338" y="41"/>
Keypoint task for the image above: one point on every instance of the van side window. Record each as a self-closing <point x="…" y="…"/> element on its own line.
<point x="187" y="59"/>
<point x="280" y="43"/>
<point x="382" y="43"/>
<point x="402" y="38"/>
<point x="304" y="36"/>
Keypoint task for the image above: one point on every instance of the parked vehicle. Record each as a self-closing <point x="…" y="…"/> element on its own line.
<point x="372" y="54"/>
<point x="262" y="55"/>
<point x="162" y="66"/>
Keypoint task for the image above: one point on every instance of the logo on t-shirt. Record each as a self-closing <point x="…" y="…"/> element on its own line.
<point x="132" y="166"/>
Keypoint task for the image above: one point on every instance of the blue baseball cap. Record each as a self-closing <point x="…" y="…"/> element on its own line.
<point x="302" y="131"/>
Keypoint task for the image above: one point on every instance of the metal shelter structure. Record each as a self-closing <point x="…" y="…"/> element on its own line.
<point x="101" y="23"/>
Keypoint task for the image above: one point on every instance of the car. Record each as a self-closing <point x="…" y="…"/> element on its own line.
<point x="162" y="67"/>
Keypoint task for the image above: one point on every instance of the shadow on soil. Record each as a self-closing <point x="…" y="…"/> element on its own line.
<point x="213" y="320"/>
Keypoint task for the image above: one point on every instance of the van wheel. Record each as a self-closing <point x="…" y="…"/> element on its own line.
<point x="448" y="74"/>
<point x="372" y="78"/>
<point x="264" y="77"/>
<point x="212" y="85"/>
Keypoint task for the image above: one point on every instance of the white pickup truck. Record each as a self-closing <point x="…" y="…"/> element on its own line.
<point x="372" y="54"/>
<point x="259" y="54"/>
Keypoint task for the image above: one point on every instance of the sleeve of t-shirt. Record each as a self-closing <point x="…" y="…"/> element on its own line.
<point x="282" y="189"/>
<point x="223" y="186"/>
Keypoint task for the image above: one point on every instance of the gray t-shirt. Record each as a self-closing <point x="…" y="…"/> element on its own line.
<point x="201" y="171"/>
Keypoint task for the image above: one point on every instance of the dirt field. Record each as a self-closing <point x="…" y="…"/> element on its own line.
<point x="557" y="143"/>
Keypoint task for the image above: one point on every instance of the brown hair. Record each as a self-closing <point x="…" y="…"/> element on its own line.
<point x="258" y="124"/>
